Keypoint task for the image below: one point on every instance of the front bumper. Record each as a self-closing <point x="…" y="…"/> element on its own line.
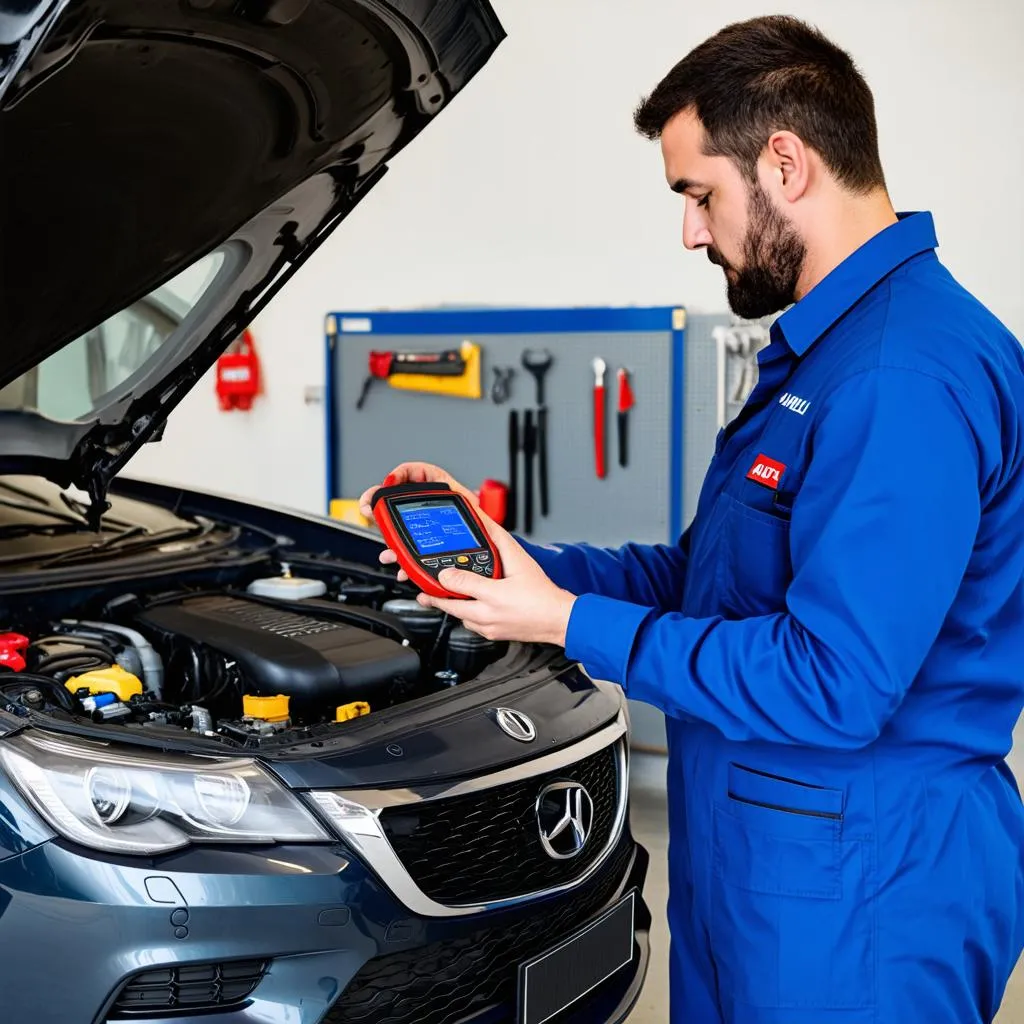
<point x="75" y="927"/>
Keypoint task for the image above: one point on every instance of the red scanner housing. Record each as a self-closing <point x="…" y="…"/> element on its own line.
<point x="430" y="528"/>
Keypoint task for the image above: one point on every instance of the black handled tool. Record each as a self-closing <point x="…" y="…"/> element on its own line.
<point x="626" y="402"/>
<point x="513" y="470"/>
<point x="538" y="363"/>
<point x="529" y="452"/>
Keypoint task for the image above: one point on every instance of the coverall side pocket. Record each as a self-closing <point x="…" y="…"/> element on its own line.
<point x="792" y="920"/>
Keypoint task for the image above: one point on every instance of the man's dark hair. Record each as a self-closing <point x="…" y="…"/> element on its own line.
<point x="772" y="74"/>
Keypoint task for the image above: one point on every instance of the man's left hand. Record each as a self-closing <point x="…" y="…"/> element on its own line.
<point x="523" y="605"/>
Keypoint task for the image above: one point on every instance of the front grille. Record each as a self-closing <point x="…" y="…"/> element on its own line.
<point x="189" y="987"/>
<point x="486" y="846"/>
<point x="447" y="981"/>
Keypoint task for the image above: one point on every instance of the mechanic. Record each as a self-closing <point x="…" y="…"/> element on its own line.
<point x="837" y="640"/>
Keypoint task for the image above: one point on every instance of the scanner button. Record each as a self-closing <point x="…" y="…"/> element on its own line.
<point x="447" y="561"/>
<point x="463" y="559"/>
<point x="431" y="563"/>
<point x="483" y="558"/>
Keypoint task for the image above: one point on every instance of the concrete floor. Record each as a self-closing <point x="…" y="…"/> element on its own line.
<point x="648" y="818"/>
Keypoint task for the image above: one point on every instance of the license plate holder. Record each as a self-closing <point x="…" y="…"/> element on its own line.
<point x="564" y="974"/>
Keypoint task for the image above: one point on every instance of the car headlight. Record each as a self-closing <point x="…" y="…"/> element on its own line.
<point x="121" y="801"/>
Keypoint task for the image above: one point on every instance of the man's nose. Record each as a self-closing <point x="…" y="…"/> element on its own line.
<point x="695" y="230"/>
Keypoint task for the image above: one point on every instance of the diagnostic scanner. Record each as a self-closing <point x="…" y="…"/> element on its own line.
<point x="430" y="527"/>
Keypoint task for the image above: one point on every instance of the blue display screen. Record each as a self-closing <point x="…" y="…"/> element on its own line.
<point x="436" y="528"/>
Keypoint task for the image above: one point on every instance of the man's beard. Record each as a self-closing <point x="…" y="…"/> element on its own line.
<point x="773" y="256"/>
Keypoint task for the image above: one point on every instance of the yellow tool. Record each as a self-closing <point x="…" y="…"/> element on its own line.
<point x="114" y="680"/>
<point x="453" y="372"/>
<point x="267" y="709"/>
<point x="349" y="711"/>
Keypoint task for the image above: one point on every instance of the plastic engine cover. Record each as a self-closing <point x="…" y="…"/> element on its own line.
<point x="317" y="663"/>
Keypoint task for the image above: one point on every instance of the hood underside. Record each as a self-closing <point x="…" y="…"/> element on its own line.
<point x="138" y="138"/>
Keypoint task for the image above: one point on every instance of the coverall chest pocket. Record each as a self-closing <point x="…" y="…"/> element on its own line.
<point x="754" y="567"/>
<point x="792" y="924"/>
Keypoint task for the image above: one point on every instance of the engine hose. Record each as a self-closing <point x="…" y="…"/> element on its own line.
<point x="74" y="664"/>
<point x="28" y="680"/>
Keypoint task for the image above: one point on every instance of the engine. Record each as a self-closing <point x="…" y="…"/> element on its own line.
<point x="278" y="658"/>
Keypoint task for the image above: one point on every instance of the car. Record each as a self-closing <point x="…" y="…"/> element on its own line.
<point x="244" y="776"/>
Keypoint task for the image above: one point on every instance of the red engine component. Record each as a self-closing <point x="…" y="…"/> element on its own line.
<point x="238" y="375"/>
<point x="11" y="646"/>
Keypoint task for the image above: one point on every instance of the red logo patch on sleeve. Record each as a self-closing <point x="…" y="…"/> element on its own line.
<point x="766" y="472"/>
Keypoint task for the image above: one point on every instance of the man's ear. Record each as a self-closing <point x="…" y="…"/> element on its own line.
<point x="787" y="162"/>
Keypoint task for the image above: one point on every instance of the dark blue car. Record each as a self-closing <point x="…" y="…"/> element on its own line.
<point x="244" y="776"/>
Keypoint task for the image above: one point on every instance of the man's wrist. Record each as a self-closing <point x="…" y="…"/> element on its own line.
<point x="566" y="603"/>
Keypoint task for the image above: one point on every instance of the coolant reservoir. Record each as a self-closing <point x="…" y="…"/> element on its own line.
<point x="419" y="622"/>
<point x="267" y="709"/>
<point x="107" y="680"/>
<point x="287" y="588"/>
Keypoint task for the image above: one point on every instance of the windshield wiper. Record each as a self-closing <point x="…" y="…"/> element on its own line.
<point x="44" y="510"/>
<point x="102" y="547"/>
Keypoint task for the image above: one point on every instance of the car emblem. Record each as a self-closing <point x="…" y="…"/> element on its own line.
<point x="565" y="814"/>
<point x="516" y="725"/>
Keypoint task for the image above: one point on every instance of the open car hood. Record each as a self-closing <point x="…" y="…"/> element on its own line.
<point x="142" y="141"/>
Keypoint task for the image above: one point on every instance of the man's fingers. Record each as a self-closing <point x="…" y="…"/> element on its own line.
<point x="449" y="605"/>
<point x="458" y="581"/>
<point x="387" y="557"/>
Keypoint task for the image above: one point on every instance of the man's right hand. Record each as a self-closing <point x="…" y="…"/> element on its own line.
<point x="412" y="472"/>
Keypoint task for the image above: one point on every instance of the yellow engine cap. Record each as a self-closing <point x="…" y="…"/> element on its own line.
<point x="268" y="709"/>
<point x="114" y="680"/>
<point x="354" y="710"/>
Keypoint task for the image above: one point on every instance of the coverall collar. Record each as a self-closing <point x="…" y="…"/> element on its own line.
<point x="804" y="323"/>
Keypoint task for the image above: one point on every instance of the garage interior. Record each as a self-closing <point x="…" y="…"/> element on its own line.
<point x="530" y="234"/>
<point x="557" y="204"/>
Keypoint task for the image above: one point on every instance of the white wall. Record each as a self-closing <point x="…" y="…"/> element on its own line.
<point x="533" y="189"/>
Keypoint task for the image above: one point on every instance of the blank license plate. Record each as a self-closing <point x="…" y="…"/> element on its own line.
<point x="556" y="979"/>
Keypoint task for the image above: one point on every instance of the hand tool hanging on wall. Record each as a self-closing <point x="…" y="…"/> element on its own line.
<point x="538" y="363"/>
<point x="599" y="366"/>
<point x="529" y="452"/>
<point x="513" y="470"/>
<point x="454" y="372"/>
<point x="502" y="383"/>
<point x="626" y="402"/>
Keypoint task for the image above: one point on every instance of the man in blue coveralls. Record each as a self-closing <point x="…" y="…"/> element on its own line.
<point x="837" y="640"/>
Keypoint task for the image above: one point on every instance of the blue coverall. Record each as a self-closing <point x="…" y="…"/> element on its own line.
<point x="837" y="642"/>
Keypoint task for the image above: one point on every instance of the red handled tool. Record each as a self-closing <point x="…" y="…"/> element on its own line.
<point x="382" y="365"/>
<point x="430" y="527"/>
<point x="626" y="402"/>
<point x="599" y="414"/>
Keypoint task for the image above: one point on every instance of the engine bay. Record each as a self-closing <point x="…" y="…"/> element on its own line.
<point x="266" y="659"/>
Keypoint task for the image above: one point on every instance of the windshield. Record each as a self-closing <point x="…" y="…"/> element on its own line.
<point x="88" y="373"/>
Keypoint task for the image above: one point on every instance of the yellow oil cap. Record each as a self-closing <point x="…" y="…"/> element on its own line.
<point x="268" y="709"/>
<point x="114" y="680"/>
<point x="354" y="710"/>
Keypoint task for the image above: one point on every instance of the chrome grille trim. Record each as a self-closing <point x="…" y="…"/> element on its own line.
<point x="365" y="835"/>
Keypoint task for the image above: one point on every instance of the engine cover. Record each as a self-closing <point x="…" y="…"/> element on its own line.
<point x="317" y="663"/>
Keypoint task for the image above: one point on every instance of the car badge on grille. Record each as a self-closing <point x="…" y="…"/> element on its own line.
<point x="516" y="725"/>
<point x="565" y="814"/>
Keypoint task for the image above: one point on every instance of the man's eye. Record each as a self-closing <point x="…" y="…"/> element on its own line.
<point x="705" y="201"/>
